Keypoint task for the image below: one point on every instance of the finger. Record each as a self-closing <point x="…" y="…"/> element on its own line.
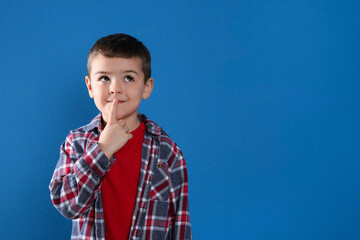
<point x="130" y="135"/>
<point x="122" y="123"/>
<point x="112" y="115"/>
<point x="126" y="129"/>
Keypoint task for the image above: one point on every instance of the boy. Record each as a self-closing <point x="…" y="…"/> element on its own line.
<point x="121" y="176"/>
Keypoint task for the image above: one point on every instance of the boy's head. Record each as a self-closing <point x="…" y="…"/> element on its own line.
<point x="119" y="70"/>
<point x="122" y="46"/>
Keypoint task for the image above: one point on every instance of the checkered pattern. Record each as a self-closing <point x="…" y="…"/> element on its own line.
<point x="161" y="210"/>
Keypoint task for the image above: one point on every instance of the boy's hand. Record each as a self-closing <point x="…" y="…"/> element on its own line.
<point x="115" y="134"/>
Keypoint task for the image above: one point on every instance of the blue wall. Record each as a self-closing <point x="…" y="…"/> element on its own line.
<point x="261" y="96"/>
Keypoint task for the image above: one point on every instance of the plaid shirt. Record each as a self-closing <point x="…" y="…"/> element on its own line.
<point x="161" y="209"/>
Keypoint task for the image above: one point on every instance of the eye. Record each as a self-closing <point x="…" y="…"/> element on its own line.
<point x="128" y="78"/>
<point x="104" y="79"/>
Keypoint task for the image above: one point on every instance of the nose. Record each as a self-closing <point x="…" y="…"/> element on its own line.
<point x="115" y="87"/>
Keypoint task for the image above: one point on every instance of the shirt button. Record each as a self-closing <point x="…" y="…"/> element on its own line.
<point x="159" y="165"/>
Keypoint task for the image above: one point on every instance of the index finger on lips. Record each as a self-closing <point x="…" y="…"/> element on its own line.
<point x="112" y="115"/>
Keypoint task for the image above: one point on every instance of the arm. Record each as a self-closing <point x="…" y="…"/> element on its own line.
<point x="179" y="179"/>
<point x="76" y="180"/>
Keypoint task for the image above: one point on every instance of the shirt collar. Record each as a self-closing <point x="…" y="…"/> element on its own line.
<point x="150" y="126"/>
<point x="94" y="124"/>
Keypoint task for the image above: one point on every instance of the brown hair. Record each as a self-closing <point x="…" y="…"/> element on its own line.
<point x="123" y="46"/>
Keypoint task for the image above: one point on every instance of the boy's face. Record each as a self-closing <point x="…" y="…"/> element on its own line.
<point x="120" y="79"/>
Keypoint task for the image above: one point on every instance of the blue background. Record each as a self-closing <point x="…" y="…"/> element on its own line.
<point x="261" y="96"/>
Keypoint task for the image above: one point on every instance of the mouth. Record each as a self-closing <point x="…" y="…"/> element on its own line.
<point x="118" y="101"/>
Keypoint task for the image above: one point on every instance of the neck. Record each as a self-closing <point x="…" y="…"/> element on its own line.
<point x="133" y="125"/>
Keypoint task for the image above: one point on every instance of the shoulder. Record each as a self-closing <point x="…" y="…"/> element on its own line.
<point x="154" y="129"/>
<point x="80" y="134"/>
<point x="168" y="149"/>
<point x="94" y="124"/>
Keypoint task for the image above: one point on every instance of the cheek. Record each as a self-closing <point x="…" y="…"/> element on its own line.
<point x="99" y="93"/>
<point x="137" y="97"/>
<point x="138" y="93"/>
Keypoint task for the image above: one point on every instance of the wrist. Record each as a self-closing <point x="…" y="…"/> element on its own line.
<point x="108" y="152"/>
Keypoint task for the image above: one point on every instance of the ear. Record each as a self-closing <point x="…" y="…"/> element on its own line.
<point x="148" y="88"/>
<point x="89" y="87"/>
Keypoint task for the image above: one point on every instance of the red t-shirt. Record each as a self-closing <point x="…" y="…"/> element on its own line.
<point x="119" y="187"/>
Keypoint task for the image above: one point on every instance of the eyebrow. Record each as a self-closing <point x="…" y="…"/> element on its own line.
<point x="101" y="72"/>
<point x="107" y="73"/>
<point x="131" y="71"/>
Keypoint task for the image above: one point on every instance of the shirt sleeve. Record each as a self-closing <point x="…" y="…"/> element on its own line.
<point x="179" y="179"/>
<point x="77" y="178"/>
